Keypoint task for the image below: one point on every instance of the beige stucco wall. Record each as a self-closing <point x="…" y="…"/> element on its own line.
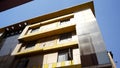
<point x="50" y="58"/>
<point x="76" y="56"/>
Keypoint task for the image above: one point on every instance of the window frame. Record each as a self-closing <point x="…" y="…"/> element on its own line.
<point x="67" y="53"/>
<point x="57" y="19"/>
<point x="25" y="46"/>
<point x="62" y="22"/>
<point x="23" y="62"/>
<point x="62" y="38"/>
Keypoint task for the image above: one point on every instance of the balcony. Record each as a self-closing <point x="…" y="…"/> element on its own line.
<point x="37" y="49"/>
<point x="49" y="32"/>
<point x="48" y="28"/>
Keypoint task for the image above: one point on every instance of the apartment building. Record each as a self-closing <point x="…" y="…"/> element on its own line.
<point x="69" y="38"/>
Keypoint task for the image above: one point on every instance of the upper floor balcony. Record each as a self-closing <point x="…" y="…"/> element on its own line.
<point x="48" y="28"/>
<point x="52" y="43"/>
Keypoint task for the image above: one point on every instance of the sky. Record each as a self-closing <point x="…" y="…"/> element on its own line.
<point x="107" y="14"/>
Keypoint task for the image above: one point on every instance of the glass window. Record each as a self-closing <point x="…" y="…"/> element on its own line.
<point x="64" y="21"/>
<point x="29" y="45"/>
<point x="34" y="30"/>
<point x="64" y="55"/>
<point x="23" y="63"/>
<point x="65" y="37"/>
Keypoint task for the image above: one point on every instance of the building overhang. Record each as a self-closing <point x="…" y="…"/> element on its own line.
<point x="62" y="12"/>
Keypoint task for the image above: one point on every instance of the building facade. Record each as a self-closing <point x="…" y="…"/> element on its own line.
<point x="69" y="38"/>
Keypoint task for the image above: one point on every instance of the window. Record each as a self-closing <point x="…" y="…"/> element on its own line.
<point x="30" y="45"/>
<point x="66" y="21"/>
<point x="23" y="63"/>
<point x="35" y="30"/>
<point x="64" y="55"/>
<point x="32" y="30"/>
<point x="27" y="46"/>
<point x="65" y="37"/>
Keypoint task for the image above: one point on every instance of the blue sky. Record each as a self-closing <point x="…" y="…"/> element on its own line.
<point x="107" y="14"/>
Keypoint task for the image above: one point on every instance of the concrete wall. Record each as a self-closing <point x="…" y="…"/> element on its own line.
<point x="89" y="36"/>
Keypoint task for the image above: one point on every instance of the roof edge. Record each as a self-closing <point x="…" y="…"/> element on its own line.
<point x="65" y="11"/>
